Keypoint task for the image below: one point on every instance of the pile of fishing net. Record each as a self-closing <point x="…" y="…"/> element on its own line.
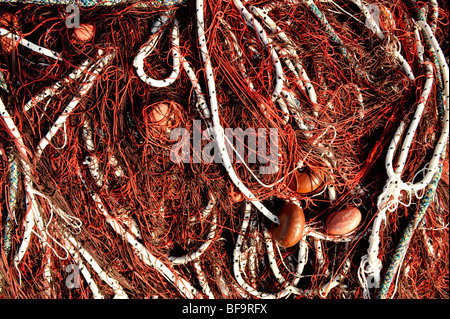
<point x="224" y="149"/>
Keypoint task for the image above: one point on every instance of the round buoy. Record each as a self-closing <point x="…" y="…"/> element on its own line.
<point x="292" y="223"/>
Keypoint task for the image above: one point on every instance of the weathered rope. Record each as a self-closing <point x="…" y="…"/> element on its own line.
<point x="13" y="191"/>
<point x="402" y="247"/>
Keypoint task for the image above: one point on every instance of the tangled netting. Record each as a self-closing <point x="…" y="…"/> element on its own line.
<point x="119" y="178"/>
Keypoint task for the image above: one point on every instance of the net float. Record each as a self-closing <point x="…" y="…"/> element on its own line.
<point x="85" y="32"/>
<point x="343" y="222"/>
<point x="162" y="116"/>
<point x="292" y="223"/>
<point x="306" y="182"/>
<point x="236" y="195"/>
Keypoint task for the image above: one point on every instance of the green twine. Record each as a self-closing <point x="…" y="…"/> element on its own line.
<point x="402" y="246"/>
<point x="3" y="82"/>
<point x="335" y="38"/>
<point x="13" y="190"/>
<point x="328" y="28"/>
<point x="14" y="181"/>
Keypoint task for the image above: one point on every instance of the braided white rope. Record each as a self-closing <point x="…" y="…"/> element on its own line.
<point x="93" y="161"/>
<point x="250" y="250"/>
<point x="206" y="289"/>
<point x="96" y="294"/>
<point x="336" y="280"/>
<point x="271" y="255"/>
<point x="185" y="288"/>
<point x="32" y="215"/>
<point x="34" y="47"/>
<point x="50" y="91"/>
<point x="29" y="220"/>
<point x="296" y="68"/>
<point x="320" y="259"/>
<point x="216" y="126"/>
<point x="262" y="35"/>
<point x="76" y="247"/>
<point x="286" y="97"/>
<point x="86" y="86"/>
<point x="267" y="43"/>
<point x="202" y="106"/>
<point x="289" y="288"/>
<point x="98" y="176"/>
<point x="148" y="48"/>
<point x="389" y="199"/>
<point x="194" y="255"/>
<point x="236" y="258"/>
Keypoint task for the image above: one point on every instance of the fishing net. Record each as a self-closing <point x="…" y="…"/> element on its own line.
<point x="224" y="149"/>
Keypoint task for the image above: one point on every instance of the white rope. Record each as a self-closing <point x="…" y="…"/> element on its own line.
<point x="96" y="294"/>
<point x="32" y="215"/>
<point x="336" y="280"/>
<point x="206" y="289"/>
<point x="372" y="15"/>
<point x="296" y="68"/>
<point x="202" y="106"/>
<point x="184" y="286"/>
<point x="262" y="35"/>
<point x="92" y="161"/>
<point x="148" y="48"/>
<point x="119" y="293"/>
<point x="50" y="91"/>
<point x="389" y="199"/>
<point x="216" y="126"/>
<point x="86" y="86"/>
<point x="288" y="289"/>
<point x="289" y="99"/>
<point x="271" y="255"/>
<point x="36" y="48"/>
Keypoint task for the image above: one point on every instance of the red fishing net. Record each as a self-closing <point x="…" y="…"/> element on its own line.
<point x="116" y="212"/>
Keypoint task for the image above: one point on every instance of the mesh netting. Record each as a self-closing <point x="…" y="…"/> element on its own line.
<point x="158" y="149"/>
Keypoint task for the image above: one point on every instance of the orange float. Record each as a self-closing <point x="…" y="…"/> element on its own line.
<point x="306" y="182"/>
<point x="85" y="32"/>
<point x="292" y="223"/>
<point x="343" y="222"/>
<point x="162" y="116"/>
